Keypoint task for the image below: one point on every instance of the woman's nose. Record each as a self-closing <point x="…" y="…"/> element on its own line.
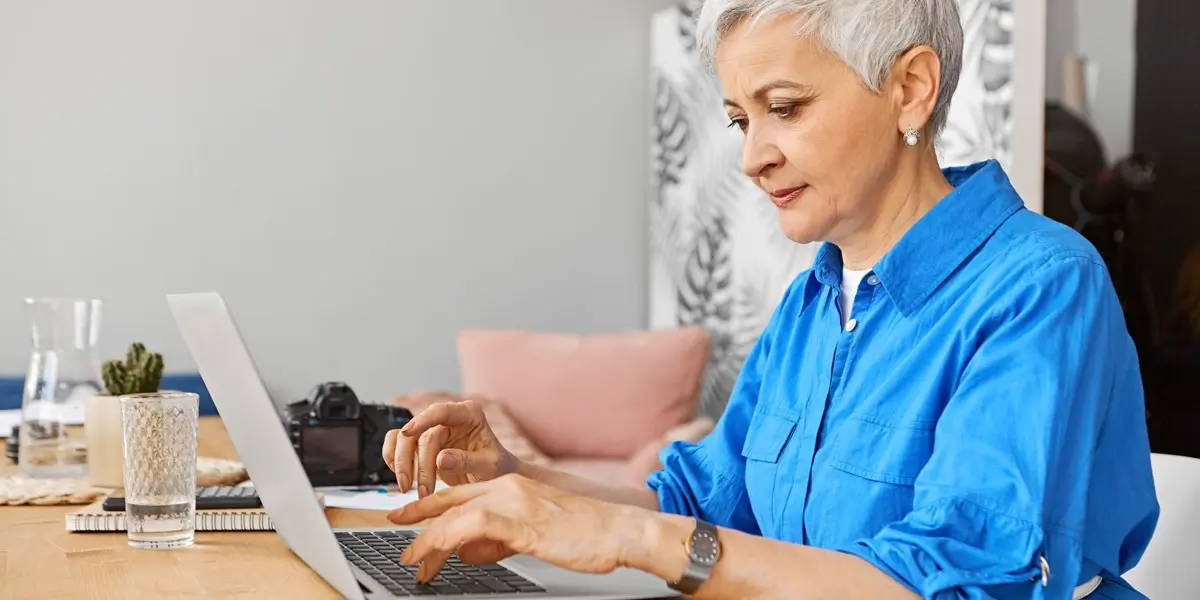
<point x="759" y="154"/>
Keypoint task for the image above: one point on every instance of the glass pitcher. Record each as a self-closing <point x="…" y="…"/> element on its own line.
<point x="64" y="369"/>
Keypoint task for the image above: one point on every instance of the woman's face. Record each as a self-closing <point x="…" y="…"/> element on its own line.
<point x="817" y="140"/>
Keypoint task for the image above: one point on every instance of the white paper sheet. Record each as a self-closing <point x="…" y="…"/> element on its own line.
<point x="369" y="498"/>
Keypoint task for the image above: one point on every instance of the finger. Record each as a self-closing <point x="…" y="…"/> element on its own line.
<point x="456" y="529"/>
<point x="450" y="414"/>
<point x="483" y="552"/>
<point x="437" y="504"/>
<point x="406" y="452"/>
<point x="428" y="447"/>
<point x="389" y="448"/>
<point x="432" y="564"/>
<point x="432" y="559"/>
<point x="452" y="461"/>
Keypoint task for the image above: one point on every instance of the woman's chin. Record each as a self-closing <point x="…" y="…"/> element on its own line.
<point x="801" y="231"/>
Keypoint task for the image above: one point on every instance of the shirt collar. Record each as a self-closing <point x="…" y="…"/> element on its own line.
<point x="982" y="199"/>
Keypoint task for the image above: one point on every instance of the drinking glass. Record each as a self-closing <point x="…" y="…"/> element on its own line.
<point x="160" y="431"/>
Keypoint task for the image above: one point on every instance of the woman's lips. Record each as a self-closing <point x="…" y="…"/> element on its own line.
<point x="782" y="198"/>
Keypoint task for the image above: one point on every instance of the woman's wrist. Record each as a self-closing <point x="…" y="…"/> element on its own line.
<point x="653" y="542"/>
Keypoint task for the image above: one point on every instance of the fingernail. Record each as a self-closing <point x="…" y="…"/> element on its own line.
<point x="422" y="491"/>
<point x="405" y="556"/>
<point x="449" y="461"/>
<point x="403" y="483"/>
<point x="407" y="427"/>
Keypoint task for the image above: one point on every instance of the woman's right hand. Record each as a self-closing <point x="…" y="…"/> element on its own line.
<point x="450" y="440"/>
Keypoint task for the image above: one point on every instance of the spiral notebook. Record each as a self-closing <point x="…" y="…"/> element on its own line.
<point x="93" y="518"/>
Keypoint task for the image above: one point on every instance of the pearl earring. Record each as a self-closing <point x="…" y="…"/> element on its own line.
<point x="912" y="138"/>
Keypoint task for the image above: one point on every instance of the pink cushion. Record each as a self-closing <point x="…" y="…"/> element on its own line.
<point x="594" y="396"/>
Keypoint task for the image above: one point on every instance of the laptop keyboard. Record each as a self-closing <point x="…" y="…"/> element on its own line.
<point x="378" y="553"/>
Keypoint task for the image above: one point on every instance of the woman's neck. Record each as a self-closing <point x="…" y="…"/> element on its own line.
<point x="912" y="193"/>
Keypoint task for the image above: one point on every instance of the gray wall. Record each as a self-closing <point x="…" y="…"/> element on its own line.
<point x="1103" y="31"/>
<point x="361" y="179"/>
<point x="1061" y="25"/>
<point x="1106" y="36"/>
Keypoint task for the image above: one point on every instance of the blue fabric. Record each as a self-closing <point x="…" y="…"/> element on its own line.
<point x="11" y="389"/>
<point x="985" y="412"/>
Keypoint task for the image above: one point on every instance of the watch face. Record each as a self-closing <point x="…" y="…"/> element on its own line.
<point x="705" y="548"/>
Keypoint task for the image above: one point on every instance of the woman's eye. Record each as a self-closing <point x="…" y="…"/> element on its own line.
<point x="739" y="122"/>
<point x="783" y="111"/>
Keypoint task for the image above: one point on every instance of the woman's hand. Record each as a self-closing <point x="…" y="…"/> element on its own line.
<point x="449" y="439"/>
<point x="489" y="521"/>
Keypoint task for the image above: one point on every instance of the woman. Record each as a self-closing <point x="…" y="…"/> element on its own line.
<point x="946" y="405"/>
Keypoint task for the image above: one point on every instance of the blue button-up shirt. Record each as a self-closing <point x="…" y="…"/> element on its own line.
<point x="984" y="413"/>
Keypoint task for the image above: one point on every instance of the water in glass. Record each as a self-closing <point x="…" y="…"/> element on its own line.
<point x="160" y="468"/>
<point x="64" y="368"/>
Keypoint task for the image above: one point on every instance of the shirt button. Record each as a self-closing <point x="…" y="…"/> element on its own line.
<point x="872" y="279"/>
<point x="851" y="324"/>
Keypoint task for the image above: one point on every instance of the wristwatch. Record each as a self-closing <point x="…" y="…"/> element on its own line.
<point x="703" y="549"/>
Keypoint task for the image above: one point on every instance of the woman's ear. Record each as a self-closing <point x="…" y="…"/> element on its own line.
<point x="916" y="78"/>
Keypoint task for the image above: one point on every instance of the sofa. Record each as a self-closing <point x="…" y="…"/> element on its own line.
<point x="600" y="406"/>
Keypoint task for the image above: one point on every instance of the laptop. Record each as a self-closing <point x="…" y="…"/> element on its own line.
<point x="357" y="562"/>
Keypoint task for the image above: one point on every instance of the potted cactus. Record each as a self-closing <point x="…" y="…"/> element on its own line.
<point x="140" y="373"/>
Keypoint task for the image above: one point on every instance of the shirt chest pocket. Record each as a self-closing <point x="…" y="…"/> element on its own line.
<point x="870" y="449"/>
<point x="865" y="475"/>
<point x="766" y="439"/>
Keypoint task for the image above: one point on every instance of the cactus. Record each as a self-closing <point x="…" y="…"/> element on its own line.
<point x="139" y="374"/>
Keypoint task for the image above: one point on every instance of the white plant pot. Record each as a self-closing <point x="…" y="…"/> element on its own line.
<point x="105" y="441"/>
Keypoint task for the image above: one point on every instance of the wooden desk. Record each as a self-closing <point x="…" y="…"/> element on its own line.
<point x="40" y="559"/>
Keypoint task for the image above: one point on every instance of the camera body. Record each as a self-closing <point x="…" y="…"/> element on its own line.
<point x="340" y="440"/>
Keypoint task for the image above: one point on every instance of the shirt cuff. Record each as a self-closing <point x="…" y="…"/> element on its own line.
<point x="675" y="494"/>
<point x="956" y="549"/>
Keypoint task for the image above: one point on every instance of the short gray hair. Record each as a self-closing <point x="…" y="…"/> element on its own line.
<point x="867" y="35"/>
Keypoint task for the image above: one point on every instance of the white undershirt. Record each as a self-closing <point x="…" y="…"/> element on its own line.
<point x="850" y="281"/>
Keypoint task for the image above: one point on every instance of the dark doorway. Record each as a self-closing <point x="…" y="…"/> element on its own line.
<point x="1167" y="128"/>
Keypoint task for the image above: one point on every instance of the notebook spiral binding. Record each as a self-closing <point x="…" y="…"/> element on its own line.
<point x="206" y="520"/>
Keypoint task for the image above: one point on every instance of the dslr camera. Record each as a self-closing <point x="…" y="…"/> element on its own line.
<point x="339" y="439"/>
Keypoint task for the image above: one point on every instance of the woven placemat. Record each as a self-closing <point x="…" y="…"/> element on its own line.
<point x="16" y="490"/>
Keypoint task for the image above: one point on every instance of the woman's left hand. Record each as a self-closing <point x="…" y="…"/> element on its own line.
<point x="491" y="520"/>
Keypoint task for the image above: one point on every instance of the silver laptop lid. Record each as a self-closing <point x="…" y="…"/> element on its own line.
<point x="254" y="425"/>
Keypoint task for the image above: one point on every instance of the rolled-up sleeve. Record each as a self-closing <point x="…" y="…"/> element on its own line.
<point x="1043" y="423"/>
<point x="708" y="480"/>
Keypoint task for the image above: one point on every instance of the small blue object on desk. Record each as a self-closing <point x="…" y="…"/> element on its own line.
<point x="12" y="388"/>
<point x="377" y="489"/>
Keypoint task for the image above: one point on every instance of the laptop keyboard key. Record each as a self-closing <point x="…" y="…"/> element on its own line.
<point x="496" y="585"/>
<point x="378" y="553"/>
